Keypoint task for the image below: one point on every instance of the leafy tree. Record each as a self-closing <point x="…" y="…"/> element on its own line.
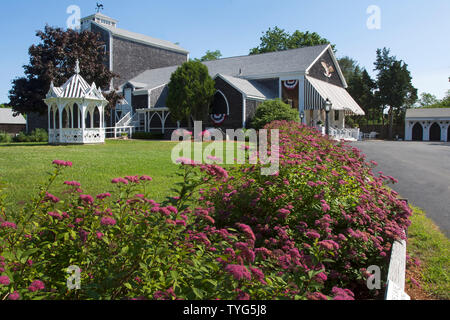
<point x="361" y="87"/>
<point x="211" y="55"/>
<point x="53" y="59"/>
<point x="191" y="91"/>
<point x="349" y="67"/>
<point x="395" y="90"/>
<point x="444" y="103"/>
<point x="427" y="99"/>
<point x="4" y="106"/>
<point x="277" y="39"/>
<point x="272" y="110"/>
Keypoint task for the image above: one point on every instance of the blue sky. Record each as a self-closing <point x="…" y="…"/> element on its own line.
<point x="416" y="31"/>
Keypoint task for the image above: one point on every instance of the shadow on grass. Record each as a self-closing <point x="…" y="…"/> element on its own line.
<point x="31" y="144"/>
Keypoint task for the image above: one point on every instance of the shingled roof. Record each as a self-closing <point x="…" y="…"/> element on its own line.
<point x="428" y="113"/>
<point x="138" y="37"/>
<point x="264" y="65"/>
<point x="7" y="117"/>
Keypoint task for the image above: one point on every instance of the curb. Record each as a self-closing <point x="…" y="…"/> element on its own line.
<point x="396" y="275"/>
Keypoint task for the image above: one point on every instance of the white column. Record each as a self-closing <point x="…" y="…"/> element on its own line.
<point x="426" y="131"/>
<point x="408" y="131"/>
<point x="83" y="117"/>
<point x="301" y="97"/>
<point x="49" y="125"/>
<point x="444" y="133"/>
<point x="244" y="111"/>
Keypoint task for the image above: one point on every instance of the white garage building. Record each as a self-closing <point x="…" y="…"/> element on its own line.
<point x="424" y="124"/>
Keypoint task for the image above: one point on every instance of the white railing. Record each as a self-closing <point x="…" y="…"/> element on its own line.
<point x="342" y="134"/>
<point x="116" y="132"/>
<point x="125" y="121"/>
<point x="77" y="136"/>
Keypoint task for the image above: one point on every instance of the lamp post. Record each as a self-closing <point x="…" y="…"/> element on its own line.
<point x="327" y="107"/>
<point x="302" y="116"/>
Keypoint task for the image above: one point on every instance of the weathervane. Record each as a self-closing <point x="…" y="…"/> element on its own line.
<point x="99" y="7"/>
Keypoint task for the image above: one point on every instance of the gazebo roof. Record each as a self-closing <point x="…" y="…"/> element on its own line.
<point x="76" y="88"/>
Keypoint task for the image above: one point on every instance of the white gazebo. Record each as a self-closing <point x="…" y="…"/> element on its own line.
<point x="76" y="112"/>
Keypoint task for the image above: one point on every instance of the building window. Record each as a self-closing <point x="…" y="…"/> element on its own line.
<point x="336" y="115"/>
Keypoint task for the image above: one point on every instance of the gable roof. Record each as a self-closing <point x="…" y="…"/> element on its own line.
<point x="428" y="113"/>
<point x="142" y="38"/>
<point x="250" y="88"/>
<point x="7" y="117"/>
<point x="258" y="66"/>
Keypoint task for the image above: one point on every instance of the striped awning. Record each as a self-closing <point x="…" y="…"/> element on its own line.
<point x="317" y="91"/>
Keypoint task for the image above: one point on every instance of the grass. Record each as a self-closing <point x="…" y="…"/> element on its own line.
<point x="432" y="247"/>
<point x="23" y="167"/>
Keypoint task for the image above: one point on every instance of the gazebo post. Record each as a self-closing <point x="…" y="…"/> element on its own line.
<point x="60" y="112"/>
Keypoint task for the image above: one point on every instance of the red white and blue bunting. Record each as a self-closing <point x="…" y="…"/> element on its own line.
<point x="290" y="84"/>
<point x="218" y="118"/>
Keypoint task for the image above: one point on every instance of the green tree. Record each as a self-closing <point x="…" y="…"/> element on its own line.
<point x="191" y="91"/>
<point x="53" y="59"/>
<point x="361" y="87"/>
<point x="211" y="55"/>
<point x="277" y="39"/>
<point x="4" y="106"/>
<point x="349" y="67"/>
<point x="272" y="110"/>
<point x="395" y="89"/>
<point x="427" y="99"/>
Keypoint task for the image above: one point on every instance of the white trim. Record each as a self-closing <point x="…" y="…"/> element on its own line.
<point x="244" y="111"/>
<point x="285" y="75"/>
<point x="226" y="100"/>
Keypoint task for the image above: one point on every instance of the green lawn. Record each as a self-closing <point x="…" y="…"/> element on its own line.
<point x="24" y="166"/>
<point x="432" y="247"/>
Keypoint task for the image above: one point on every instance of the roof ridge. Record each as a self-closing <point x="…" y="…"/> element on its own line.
<point x="267" y="53"/>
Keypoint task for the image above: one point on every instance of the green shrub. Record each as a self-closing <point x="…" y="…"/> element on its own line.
<point x="38" y="135"/>
<point x="5" y="137"/>
<point x="272" y="110"/>
<point x="148" y="136"/>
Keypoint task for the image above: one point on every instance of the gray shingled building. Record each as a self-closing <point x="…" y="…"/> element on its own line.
<point x="303" y="77"/>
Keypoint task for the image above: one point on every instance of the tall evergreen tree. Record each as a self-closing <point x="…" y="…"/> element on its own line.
<point x="191" y="91"/>
<point x="395" y="89"/>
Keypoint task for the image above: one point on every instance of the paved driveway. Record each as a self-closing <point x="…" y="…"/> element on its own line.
<point x="423" y="171"/>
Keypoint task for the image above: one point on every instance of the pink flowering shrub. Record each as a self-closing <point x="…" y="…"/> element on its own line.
<point x="325" y="213"/>
<point x="308" y="232"/>
<point x="128" y="246"/>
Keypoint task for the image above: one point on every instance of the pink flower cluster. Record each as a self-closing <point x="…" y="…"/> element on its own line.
<point x="61" y="163"/>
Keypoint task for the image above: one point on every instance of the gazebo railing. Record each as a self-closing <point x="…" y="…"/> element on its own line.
<point x="77" y="136"/>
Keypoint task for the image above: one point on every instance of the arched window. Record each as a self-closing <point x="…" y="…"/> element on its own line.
<point x="96" y="117"/>
<point x="76" y="116"/>
<point x="417" y="132"/>
<point x="66" y="118"/>
<point x="435" y="132"/>
<point x="220" y="104"/>
<point x="88" y="119"/>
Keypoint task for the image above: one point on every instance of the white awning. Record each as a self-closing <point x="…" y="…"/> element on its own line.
<point x="338" y="96"/>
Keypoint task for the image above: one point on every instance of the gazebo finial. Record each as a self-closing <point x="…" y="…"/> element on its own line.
<point x="77" y="67"/>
